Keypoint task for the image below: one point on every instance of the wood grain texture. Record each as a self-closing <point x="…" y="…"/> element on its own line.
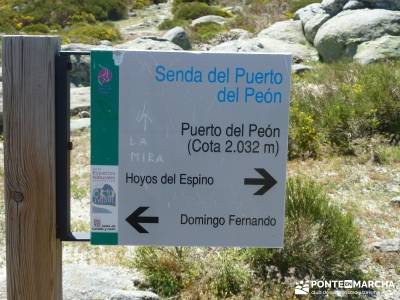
<point x="33" y="252"/>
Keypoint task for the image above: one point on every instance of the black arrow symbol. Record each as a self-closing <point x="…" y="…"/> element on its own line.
<point x="267" y="181"/>
<point x="135" y="218"/>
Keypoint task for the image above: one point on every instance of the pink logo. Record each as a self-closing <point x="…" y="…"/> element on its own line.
<point x="104" y="75"/>
<point x="97" y="223"/>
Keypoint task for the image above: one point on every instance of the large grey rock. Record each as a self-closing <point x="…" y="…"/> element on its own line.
<point x="84" y="114"/>
<point x="306" y="13"/>
<point x="149" y="43"/>
<point x="178" y="36"/>
<point x="386" y="47"/>
<point x="340" y="35"/>
<point x="312" y="26"/>
<point x="134" y="295"/>
<point x="101" y="282"/>
<point x="209" y="19"/>
<point x="389" y="245"/>
<point x="395" y="201"/>
<point x="300" y="68"/>
<point x="84" y="47"/>
<point x="80" y="100"/>
<point x="264" y="44"/>
<point x="290" y="31"/>
<point x="250" y="45"/>
<point x="354" y="4"/>
<point x="231" y="35"/>
<point x="105" y="43"/>
<point x="80" y="72"/>
<point x="384" y="4"/>
<point x="239" y="34"/>
<point x="312" y="17"/>
<point x="333" y="7"/>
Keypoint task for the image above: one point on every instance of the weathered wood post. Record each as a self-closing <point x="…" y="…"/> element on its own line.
<point x="33" y="252"/>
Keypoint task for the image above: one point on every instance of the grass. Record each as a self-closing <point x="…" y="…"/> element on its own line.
<point x="75" y="21"/>
<point x="257" y="14"/>
<point x="169" y="270"/>
<point x="336" y="104"/>
<point x="194" y="10"/>
<point x="91" y="34"/>
<point x="186" y="10"/>
<point x="320" y="240"/>
<point x="205" y="32"/>
<point x="386" y="155"/>
<point x="171" y="23"/>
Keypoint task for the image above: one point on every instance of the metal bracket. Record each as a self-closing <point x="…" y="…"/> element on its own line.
<point x="63" y="147"/>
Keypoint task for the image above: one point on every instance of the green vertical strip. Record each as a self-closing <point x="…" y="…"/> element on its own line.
<point x="104" y="122"/>
<point x="104" y="108"/>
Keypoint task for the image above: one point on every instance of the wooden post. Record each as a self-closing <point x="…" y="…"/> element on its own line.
<point x="33" y="252"/>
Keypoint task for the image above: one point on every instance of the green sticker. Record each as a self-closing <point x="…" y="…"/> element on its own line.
<point x="104" y="108"/>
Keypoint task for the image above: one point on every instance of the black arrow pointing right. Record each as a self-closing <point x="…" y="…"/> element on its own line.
<point x="135" y="218"/>
<point x="267" y="181"/>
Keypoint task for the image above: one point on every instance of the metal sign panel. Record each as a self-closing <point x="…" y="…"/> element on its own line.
<point x="189" y="148"/>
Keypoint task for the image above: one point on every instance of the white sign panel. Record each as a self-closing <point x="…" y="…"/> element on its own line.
<point x="189" y="148"/>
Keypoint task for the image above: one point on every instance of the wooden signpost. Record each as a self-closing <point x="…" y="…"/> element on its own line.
<point x="33" y="251"/>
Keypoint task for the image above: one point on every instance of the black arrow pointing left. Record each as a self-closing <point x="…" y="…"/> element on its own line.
<point x="135" y="218"/>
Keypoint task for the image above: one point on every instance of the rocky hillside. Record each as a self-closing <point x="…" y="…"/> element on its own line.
<point x="366" y="31"/>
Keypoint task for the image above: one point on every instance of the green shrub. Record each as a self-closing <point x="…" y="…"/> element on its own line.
<point x="91" y="34"/>
<point x="6" y="27"/>
<point x="248" y="23"/>
<point x="64" y="13"/>
<point x="258" y="7"/>
<point x="107" y="9"/>
<point x="171" y="23"/>
<point x="385" y="155"/>
<point x="231" y="276"/>
<point x="140" y="4"/>
<point x="190" y="273"/>
<point x="169" y="270"/>
<point x="320" y="240"/>
<point x="304" y="140"/>
<point x="206" y="31"/>
<point x="346" y="101"/>
<point x="36" y="28"/>
<point x="82" y="17"/>
<point x="177" y="3"/>
<point x="194" y="10"/>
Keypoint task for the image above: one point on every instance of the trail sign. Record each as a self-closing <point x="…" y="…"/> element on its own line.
<point x="189" y="148"/>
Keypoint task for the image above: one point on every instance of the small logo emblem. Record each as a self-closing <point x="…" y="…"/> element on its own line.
<point x="348" y="284"/>
<point x="104" y="75"/>
<point x="302" y="288"/>
<point x="97" y="223"/>
<point x="104" y="196"/>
